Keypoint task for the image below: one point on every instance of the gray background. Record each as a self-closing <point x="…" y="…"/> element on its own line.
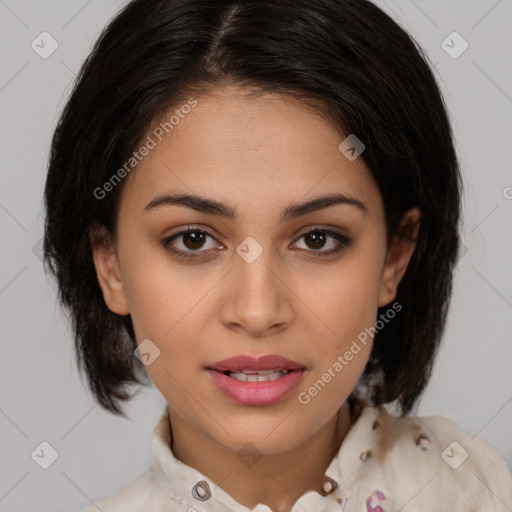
<point x="42" y="397"/>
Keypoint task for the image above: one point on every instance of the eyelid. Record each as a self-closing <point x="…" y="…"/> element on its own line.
<point x="319" y="227"/>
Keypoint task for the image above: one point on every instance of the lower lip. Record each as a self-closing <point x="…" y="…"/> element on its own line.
<point x="256" y="393"/>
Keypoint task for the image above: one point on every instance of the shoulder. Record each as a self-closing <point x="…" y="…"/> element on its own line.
<point x="429" y="463"/>
<point x="474" y="463"/>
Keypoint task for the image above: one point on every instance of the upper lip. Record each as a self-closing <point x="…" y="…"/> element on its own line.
<point x="250" y="363"/>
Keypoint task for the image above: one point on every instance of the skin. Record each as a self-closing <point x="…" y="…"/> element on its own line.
<point x="258" y="154"/>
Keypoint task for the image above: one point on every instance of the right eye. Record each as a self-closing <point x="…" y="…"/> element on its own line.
<point x="191" y="241"/>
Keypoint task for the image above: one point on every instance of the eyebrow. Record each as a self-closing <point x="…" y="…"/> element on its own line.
<point x="292" y="211"/>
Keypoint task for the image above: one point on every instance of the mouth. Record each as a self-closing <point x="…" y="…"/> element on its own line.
<point x="260" y="376"/>
<point x="254" y="381"/>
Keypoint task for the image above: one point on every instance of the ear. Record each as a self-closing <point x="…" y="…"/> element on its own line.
<point x="108" y="271"/>
<point x="398" y="255"/>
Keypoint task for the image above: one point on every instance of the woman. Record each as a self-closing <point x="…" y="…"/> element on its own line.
<point x="255" y="204"/>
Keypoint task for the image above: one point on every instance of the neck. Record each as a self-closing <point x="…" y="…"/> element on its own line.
<point x="275" y="479"/>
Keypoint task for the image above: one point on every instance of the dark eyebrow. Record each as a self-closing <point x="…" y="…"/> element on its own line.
<point x="213" y="207"/>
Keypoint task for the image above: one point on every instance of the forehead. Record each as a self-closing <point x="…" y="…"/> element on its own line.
<point x="251" y="151"/>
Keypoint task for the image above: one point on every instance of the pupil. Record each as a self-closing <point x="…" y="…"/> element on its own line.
<point x="194" y="240"/>
<point x="318" y="238"/>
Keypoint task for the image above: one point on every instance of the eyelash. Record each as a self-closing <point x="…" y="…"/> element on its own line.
<point x="343" y="241"/>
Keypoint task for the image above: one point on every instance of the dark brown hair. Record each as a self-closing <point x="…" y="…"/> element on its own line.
<point x="350" y="60"/>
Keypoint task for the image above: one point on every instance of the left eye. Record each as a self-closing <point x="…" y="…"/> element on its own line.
<point x="192" y="240"/>
<point x="318" y="237"/>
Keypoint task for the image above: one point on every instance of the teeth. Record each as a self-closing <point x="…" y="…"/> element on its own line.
<point x="259" y="376"/>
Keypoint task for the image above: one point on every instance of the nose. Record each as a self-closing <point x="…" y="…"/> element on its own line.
<point x="257" y="298"/>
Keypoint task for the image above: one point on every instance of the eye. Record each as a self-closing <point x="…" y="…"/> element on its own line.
<point x="317" y="238"/>
<point x="186" y="243"/>
<point x="191" y="241"/>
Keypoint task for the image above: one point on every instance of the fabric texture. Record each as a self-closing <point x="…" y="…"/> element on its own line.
<point x="385" y="464"/>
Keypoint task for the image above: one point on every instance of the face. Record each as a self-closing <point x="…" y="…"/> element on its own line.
<point x="204" y="286"/>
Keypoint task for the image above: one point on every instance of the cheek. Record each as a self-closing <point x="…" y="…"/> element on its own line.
<point x="152" y="301"/>
<point x="167" y="305"/>
<point x="347" y="302"/>
<point x="163" y="305"/>
<point x="159" y="292"/>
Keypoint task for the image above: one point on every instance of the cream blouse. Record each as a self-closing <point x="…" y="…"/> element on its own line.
<point x="385" y="464"/>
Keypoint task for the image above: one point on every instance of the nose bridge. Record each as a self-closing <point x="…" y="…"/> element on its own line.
<point x="257" y="300"/>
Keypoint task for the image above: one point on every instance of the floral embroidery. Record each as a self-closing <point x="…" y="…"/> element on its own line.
<point x="373" y="502"/>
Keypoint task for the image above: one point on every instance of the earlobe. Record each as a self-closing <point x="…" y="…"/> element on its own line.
<point x="399" y="256"/>
<point x="108" y="271"/>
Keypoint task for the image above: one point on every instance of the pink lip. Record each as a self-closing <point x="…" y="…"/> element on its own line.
<point x="248" y="363"/>
<point x="256" y="393"/>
